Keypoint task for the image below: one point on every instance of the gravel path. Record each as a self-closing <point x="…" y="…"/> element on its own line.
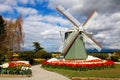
<point x="40" y="74"/>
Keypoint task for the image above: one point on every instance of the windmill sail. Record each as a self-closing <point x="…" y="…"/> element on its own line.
<point x="68" y="42"/>
<point x="74" y="47"/>
<point x="92" y="41"/>
<point x="69" y="16"/>
<point x="90" y="19"/>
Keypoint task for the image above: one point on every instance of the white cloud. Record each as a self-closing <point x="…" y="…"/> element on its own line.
<point x="46" y="31"/>
<point x="12" y="5"/>
<point x="56" y="20"/>
<point x="45" y="28"/>
<point x="66" y="3"/>
<point x="115" y="17"/>
<point x="9" y="2"/>
<point x="105" y="28"/>
<point x="16" y="2"/>
<point x="26" y="11"/>
<point x="5" y="8"/>
<point x="24" y="2"/>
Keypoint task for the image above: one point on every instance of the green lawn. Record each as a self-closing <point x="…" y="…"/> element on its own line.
<point x="106" y="73"/>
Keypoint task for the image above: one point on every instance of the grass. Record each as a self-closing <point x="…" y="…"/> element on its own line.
<point x="106" y="73"/>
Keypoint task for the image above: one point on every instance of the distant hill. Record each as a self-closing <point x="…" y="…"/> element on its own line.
<point x="104" y="50"/>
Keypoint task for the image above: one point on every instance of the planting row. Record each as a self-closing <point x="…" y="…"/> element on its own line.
<point x="22" y="68"/>
<point x="79" y="65"/>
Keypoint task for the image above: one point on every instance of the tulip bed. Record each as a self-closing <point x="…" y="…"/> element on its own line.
<point x="81" y="65"/>
<point x="16" y="68"/>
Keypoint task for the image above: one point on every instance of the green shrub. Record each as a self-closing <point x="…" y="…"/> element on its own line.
<point x="2" y="57"/>
<point x="42" y="54"/>
<point x="28" y="56"/>
<point x="116" y="53"/>
<point x="102" y="56"/>
<point x="39" y="53"/>
<point x="46" y="56"/>
<point x="115" y="58"/>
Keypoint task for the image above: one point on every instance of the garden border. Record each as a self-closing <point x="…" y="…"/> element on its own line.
<point x="14" y="75"/>
<point x="93" y="78"/>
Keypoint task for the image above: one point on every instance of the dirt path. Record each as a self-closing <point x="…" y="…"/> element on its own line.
<point x="39" y="74"/>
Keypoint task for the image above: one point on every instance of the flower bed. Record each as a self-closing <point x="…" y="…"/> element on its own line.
<point x="21" y="68"/>
<point x="81" y="65"/>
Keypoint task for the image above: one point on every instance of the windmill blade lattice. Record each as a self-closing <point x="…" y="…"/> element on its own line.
<point x="90" y="19"/>
<point x="68" y="42"/>
<point x="69" y="16"/>
<point x="91" y="41"/>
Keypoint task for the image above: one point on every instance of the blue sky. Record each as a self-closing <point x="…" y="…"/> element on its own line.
<point x="42" y="21"/>
<point x="40" y="7"/>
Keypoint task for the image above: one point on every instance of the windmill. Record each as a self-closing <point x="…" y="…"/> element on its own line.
<point x="73" y="46"/>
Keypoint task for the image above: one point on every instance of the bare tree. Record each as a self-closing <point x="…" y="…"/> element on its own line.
<point x="13" y="34"/>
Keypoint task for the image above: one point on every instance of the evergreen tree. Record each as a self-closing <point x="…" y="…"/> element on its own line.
<point x="2" y="34"/>
<point x="37" y="47"/>
<point x="2" y="29"/>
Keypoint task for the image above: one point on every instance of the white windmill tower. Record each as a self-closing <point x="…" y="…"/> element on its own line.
<point x="73" y="46"/>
